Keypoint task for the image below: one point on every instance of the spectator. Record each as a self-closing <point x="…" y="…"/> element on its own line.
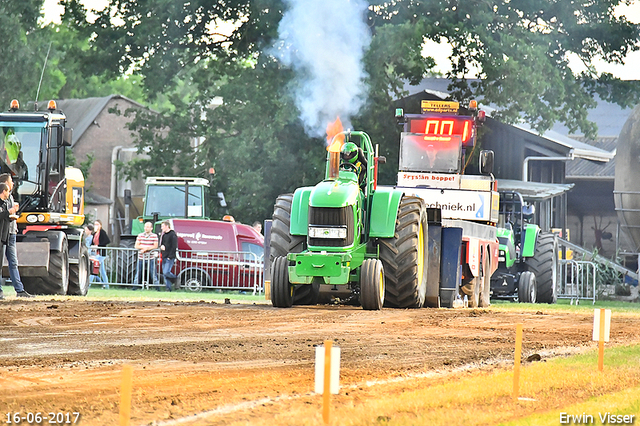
<point x="100" y="239"/>
<point x="88" y="235"/>
<point x="257" y="225"/>
<point x="4" y="223"/>
<point x="10" y="249"/>
<point x="168" y="246"/>
<point x="146" y="242"/>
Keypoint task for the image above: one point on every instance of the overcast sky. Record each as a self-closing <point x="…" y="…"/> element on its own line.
<point x="629" y="71"/>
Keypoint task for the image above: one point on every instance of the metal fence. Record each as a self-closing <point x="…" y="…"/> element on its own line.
<point x="578" y="281"/>
<point x="196" y="270"/>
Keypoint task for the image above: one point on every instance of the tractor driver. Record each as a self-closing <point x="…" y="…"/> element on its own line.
<point x="352" y="154"/>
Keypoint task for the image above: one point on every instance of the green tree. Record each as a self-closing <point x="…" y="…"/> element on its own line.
<point x="254" y="139"/>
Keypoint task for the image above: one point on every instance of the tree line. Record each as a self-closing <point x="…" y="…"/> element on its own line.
<point x="208" y="71"/>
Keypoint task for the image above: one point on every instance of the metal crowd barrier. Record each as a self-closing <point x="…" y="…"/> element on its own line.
<point x="578" y="281"/>
<point x="196" y="270"/>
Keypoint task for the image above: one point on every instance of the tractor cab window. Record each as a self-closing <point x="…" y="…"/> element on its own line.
<point x="20" y="154"/>
<point x="56" y="169"/>
<point x="169" y="201"/>
<point x="429" y="153"/>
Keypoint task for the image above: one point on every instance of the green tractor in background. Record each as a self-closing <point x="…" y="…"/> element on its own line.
<point x="528" y="258"/>
<point x="347" y="238"/>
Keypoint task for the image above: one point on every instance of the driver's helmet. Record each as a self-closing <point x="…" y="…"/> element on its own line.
<point x="349" y="152"/>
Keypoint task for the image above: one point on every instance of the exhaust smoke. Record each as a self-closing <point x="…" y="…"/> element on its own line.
<point x="325" y="42"/>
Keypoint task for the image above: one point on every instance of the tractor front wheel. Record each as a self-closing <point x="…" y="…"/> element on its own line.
<point x="372" y="285"/>
<point x="281" y="288"/>
<point x="283" y="243"/>
<point x="527" y="288"/>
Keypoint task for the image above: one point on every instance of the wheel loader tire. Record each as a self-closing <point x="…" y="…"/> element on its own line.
<point x="281" y="289"/>
<point x="283" y="243"/>
<point x="57" y="282"/>
<point x="485" y="292"/>
<point x="405" y="256"/>
<point x="544" y="264"/>
<point x="372" y="285"/>
<point x="527" y="287"/>
<point x="79" y="274"/>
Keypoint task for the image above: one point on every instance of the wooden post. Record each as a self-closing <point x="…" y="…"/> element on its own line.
<point x="125" y="395"/>
<point x="516" y="363"/>
<point x="326" y="396"/>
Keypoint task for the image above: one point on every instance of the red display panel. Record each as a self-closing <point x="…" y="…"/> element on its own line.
<point x="444" y="126"/>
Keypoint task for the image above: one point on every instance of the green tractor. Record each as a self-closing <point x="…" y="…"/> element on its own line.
<point x="528" y="258"/>
<point x="347" y="238"/>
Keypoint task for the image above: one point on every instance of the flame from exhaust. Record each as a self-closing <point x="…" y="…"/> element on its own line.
<point x="334" y="129"/>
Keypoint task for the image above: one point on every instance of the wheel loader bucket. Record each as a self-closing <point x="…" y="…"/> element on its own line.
<point x="33" y="258"/>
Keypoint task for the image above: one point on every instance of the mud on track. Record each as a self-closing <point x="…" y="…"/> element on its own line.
<point x="247" y="360"/>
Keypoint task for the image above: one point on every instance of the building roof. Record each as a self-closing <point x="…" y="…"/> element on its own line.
<point x="81" y="113"/>
<point x="609" y="117"/>
<point x="580" y="169"/>
<point x="533" y="191"/>
<point x="574" y="148"/>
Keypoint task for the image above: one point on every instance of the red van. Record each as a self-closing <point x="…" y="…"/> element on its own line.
<point x="218" y="255"/>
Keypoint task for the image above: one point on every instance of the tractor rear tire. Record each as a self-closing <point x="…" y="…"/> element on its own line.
<point x="544" y="264"/>
<point x="372" y="285"/>
<point x="283" y="243"/>
<point x="126" y="262"/>
<point x="281" y="288"/>
<point x="527" y="287"/>
<point x="79" y="274"/>
<point x="57" y="282"/>
<point x="405" y="256"/>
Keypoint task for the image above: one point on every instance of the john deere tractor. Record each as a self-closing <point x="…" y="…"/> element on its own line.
<point x="345" y="237"/>
<point x="528" y="257"/>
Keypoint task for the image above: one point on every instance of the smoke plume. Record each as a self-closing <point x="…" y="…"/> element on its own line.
<point x="324" y="41"/>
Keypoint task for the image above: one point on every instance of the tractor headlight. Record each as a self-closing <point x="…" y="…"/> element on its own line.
<point x="324" y="232"/>
<point x="32" y="218"/>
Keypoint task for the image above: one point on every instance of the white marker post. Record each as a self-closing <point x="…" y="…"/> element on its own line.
<point x="327" y="374"/>
<point x="601" y="326"/>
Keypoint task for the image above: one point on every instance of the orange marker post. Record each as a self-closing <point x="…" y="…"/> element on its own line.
<point x="516" y="363"/>
<point x="125" y="395"/>
<point x="326" y="395"/>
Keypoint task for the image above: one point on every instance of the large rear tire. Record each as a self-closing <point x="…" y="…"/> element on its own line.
<point x="372" y="285"/>
<point x="283" y="243"/>
<point x="57" y="282"/>
<point x="79" y="274"/>
<point x="544" y="265"/>
<point x="281" y="288"/>
<point x="405" y="256"/>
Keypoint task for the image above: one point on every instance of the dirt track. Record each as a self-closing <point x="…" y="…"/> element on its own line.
<point x="188" y="358"/>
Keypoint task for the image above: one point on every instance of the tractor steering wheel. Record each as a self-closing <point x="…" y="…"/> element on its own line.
<point x="349" y="167"/>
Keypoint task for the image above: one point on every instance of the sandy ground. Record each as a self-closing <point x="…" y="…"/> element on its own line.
<point x="231" y="361"/>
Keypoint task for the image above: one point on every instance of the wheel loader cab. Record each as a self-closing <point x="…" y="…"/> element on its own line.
<point x="52" y="257"/>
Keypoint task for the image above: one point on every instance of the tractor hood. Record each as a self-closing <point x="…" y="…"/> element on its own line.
<point x="340" y="192"/>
